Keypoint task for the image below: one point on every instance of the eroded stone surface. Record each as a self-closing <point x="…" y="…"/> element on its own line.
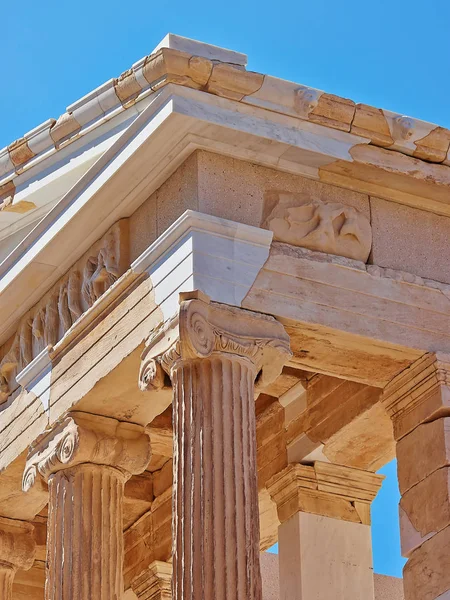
<point x="423" y="451"/>
<point x="328" y="227"/>
<point x="425" y="509"/>
<point x="46" y="323"/>
<point x="17" y="551"/>
<point x="426" y="575"/>
<point x="213" y="363"/>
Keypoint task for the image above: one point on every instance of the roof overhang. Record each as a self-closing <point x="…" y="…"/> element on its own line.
<point x="175" y="122"/>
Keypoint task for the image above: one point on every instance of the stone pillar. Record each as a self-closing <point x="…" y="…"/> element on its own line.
<point x="155" y="583"/>
<point x="17" y="548"/>
<point x="215" y="354"/>
<point x="418" y="402"/>
<point x="86" y="460"/>
<point x="324" y="540"/>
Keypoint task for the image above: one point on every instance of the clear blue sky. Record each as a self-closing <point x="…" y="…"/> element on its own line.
<point x="392" y="54"/>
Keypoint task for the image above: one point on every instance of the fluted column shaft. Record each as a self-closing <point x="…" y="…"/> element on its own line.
<point x="7" y="572"/>
<point x="17" y="550"/>
<point x="85" y="538"/>
<point x="213" y="354"/>
<point x="86" y="460"/>
<point x="215" y="516"/>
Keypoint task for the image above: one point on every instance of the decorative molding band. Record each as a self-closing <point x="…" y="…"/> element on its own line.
<point x="191" y="221"/>
<point x="325" y="488"/>
<point x="418" y="393"/>
<point x="155" y="583"/>
<point x="36" y="369"/>
<point x="221" y="258"/>
<point x="84" y="438"/>
<point x="36" y="377"/>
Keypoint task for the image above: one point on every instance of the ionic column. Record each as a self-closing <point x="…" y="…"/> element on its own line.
<point x="215" y="354"/>
<point x="155" y="583"/>
<point x="86" y="460"/>
<point x="324" y="540"/>
<point x="418" y="401"/>
<point x="17" y="548"/>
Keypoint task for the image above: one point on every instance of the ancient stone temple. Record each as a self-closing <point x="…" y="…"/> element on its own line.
<point x="225" y="304"/>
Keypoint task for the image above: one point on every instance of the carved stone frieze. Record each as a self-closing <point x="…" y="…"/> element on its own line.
<point x="329" y="227"/>
<point x="47" y="322"/>
<point x="203" y="328"/>
<point x="82" y="438"/>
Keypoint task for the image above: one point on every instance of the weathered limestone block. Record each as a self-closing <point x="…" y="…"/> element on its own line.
<point x="333" y="111"/>
<point x="425" y="510"/>
<point x="174" y="66"/>
<point x="418" y="394"/>
<point x="64" y="127"/>
<point x="324" y="559"/>
<point x="233" y="81"/>
<point x="20" y="152"/>
<point x="426" y="575"/>
<point x="423" y="451"/>
<point x="271" y="442"/>
<point x="329" y="227"/>
<point x="213" y="356"/>
<point x="418" y="401"/>
<point x="434" y="146"/>
<point x="285" y="97"/>
<point x="47" y="322"/>
<point x="149" y="539"/>
<point x="17" y="551"/>
<point x="155" y="583"/>
<point x="325" y="489"/>
<point x="126" y="86"/>
<point x="418" y="138"/>
<point x="370" y="122"/>
<point x="324" y="536"/>
<point x="86" y="460"/>
<point x="345" y="420"/>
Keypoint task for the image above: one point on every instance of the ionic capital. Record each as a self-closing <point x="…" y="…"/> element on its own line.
<point x="418" y="394"/>
<point x="325" y="489"/>
<point x="81" y="438"/>
<point x="155" y="583"/>
<point x="17" y="545"/>
<point x="203" y="328"/>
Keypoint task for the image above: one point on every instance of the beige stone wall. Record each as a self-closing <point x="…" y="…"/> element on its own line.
<point x="234" y="189"/>
<point x="410" y="240"/>
<point x="386" y="588"/>
<point x="156" y="214"/>
<point x="224" y="187"/>
<point x="404" y="238"/>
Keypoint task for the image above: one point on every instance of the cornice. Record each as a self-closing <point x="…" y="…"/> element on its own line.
<point x="176" y="121"/>
<point x="220" y="72"/>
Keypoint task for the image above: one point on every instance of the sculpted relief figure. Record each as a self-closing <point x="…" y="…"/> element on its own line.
<point x="329" y="227"/>
<point x="47" y="322"/>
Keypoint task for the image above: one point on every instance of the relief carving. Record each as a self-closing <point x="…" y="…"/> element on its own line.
<point x="329" y="227"/>
<point x="306" y="100"/>
<point x="47" y="322"/>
